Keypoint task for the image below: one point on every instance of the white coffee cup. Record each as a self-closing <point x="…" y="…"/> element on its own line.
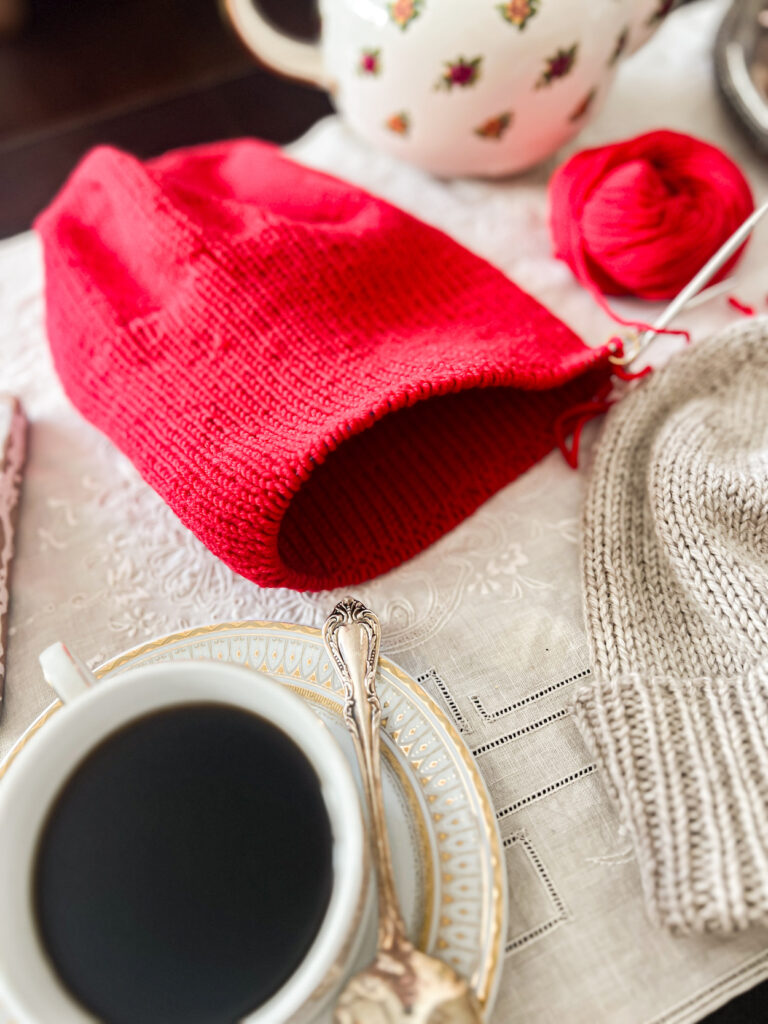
<point x="29" y="986"/>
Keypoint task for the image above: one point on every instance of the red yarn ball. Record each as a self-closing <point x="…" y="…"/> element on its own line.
<point x="641" y="217"/>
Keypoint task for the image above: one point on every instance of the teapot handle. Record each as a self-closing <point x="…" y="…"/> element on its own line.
<point x="278" y="51"/>
<point x="65" y="672"/>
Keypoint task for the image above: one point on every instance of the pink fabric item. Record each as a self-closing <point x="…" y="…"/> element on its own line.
<point x="318" y="384"/>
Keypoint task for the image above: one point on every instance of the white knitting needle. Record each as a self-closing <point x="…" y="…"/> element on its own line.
<point x="694" y="286"/>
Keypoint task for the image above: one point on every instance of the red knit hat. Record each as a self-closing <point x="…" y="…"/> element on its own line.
<point x="318" y="384"/>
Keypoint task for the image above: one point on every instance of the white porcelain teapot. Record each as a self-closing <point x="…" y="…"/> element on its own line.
<point x="478" y="87"/>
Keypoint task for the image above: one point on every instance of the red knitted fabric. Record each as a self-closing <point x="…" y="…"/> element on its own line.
<point x="318" y="384"/>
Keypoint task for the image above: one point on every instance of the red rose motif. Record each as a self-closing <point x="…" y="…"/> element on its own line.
<point x="460" y="72"/>
<point x="558" y="65"/>
<point x="369" y="62"/>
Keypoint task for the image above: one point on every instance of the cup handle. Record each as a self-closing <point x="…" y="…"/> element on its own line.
<point x="277" y="50"/>
<point x="65" y="672"/>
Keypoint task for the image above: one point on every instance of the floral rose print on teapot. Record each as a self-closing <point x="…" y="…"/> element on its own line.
<point x="558" y="66"/>
<point x="459" y="72"/>
<point x="494" y="127"/>
<point x="621" y="44"/>
<point x="462" y="87"/>
<point x="369" y="63"/>
<point x="518" y="12"/>
<point x="584" y="106"/>
<point x="402" y="12"/>
<point x="399" y="123"/>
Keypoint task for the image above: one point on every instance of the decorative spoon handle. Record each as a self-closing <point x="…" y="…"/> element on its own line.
<point x="352" y="635"/>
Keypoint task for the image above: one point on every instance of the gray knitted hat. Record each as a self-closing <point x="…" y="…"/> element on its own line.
<point x="675" y="570"/>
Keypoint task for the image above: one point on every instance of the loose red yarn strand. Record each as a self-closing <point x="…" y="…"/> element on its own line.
<point x="572" y="422"/>
<point x="581" y="416"/>
<point x="740" y="306"/>
<point x="638" y="325"/>
<point x="627" y="375"/>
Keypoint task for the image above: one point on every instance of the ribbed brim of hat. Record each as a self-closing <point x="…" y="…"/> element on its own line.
<point x="675" y="567"/>
<point x="686" y="763"/>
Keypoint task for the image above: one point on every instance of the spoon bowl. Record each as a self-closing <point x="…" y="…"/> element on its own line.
<point x="403" y="985"/>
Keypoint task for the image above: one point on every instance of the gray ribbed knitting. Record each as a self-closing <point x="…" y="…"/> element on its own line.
<point x="676" y="589"/>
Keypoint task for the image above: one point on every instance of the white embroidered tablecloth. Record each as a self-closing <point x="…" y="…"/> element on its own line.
<point x="489" y="617"/>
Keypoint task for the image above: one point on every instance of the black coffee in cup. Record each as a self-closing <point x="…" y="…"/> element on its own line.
<point x="184" y="869"/>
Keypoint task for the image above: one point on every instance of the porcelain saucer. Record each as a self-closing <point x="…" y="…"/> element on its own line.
<point x="447" y="852"/>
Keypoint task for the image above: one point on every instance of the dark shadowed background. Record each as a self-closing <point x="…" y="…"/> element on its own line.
<point x="146" y="75"/>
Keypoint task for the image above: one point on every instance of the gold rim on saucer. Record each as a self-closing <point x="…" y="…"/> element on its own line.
<point x="462" y="902"/>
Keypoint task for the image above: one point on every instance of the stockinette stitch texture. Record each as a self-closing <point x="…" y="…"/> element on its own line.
<point x="675" y="571"/>
<point x="318" y="384"/>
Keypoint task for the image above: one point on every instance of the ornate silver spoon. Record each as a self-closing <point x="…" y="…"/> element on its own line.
<point x="402" y="984"/>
